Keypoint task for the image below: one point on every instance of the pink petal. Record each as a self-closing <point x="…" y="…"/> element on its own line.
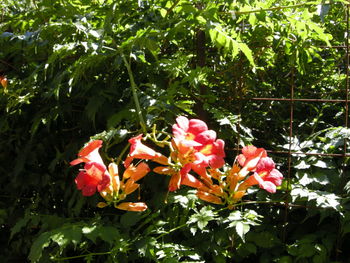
<point x="182" y="123"/>
<point x="265" y="164"/>
<point x="216" y="161"/>
<point x="241" y="159"/>
<point x="104" y="183"/>
<point x="249" y="150"/>
<point x="76" y="161"/>
<point x="268" y="186"/>
<point x="275" y="177"/>
<point x="190" y="143"/>
<point x="206" y="137"/>
<point x="95" y="170"/>
<point x="197" y="126"/>
<point x="94" y="145"/>
<point x="218" y="148"/>
<point x="201" y="159"/>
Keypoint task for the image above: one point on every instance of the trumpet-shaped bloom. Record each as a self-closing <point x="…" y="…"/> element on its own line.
<point x="140" y="151"/>
<point x="250" y="157"/>
<point x="89" y="153"/>
<point x="187" y="131"/>
<point x="266" y="176"/>
<point x="93" y="177"/>
<point x="196" y="145"/>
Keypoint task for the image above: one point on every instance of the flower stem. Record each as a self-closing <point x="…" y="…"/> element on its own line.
<point x="134" y="93"/>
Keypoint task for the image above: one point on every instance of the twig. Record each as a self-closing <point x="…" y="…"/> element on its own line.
<point x="134" y="93"/>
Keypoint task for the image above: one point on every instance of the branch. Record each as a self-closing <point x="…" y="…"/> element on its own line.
<point x="134" y="93"/>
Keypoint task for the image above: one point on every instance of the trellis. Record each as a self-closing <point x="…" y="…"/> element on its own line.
<point x="292" y="102"/>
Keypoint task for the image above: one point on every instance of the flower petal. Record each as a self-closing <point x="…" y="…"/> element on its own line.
<point x="197" y="126"/>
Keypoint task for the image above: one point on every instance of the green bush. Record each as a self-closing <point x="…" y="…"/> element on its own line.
<point x="68" y="82"/>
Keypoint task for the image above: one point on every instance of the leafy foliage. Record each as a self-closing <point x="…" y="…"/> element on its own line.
<point x="67" y="82"/>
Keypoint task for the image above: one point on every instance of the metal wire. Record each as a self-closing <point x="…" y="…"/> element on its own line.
<point x="292" y="106"/>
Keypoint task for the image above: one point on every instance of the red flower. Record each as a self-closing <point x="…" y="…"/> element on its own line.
<point x="265" y="175"/>
<point x="94" y="176"/>
<point x="250" y="157"/>
<point x="187" y="130"/>
<point x="89" y="153"/>
<point x="140" y="151"/>
<point x="197" y="145"/>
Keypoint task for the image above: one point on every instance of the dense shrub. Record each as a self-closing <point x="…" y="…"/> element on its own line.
<point x="74" y="69"/>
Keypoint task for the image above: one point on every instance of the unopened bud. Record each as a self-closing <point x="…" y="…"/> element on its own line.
<point x="175" y="182"/>
<point x="164" y="170"/>
<point x="129" y="206"/>
<point x="130" y="186"/>
<point x="102" y="205"/>
<point x="209" y="197"/>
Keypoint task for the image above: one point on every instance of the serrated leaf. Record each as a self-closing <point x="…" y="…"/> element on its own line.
<point x="222" y="39"/>
<point x="302" y="165"/>
<point x="202" y="217"/>
<point x="38" y="246"/>
<point x="242" y="229"/>
<point x="66" y="235"/>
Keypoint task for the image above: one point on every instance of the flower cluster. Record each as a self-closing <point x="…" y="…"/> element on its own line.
<point x="95" y="177"/>
<point x="196" y="159"/>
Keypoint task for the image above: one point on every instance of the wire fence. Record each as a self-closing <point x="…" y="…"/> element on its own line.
<point x="293" y="102"/>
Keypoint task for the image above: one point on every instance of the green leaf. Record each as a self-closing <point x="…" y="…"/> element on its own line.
<point x="66" y="235"/>
<point x="202" y="217"/>
<point x="38" y="246"/>
<point x="222" y="39"/>
<point x="242" y="229"/>
<point x="19" y="225"/>
<point x="130" y="219"/>
<point x="163" y="12"/>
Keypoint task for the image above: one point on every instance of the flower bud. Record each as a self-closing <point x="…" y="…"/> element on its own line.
<point x="209" y="197"/>
<point x="113" y="170"/>
<point x="102" y="205"/>
<point x="130" y="186"/>
<point x="164" y="170"/>
<point x="175" y="182"/>
<point x="129" y="206"/>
